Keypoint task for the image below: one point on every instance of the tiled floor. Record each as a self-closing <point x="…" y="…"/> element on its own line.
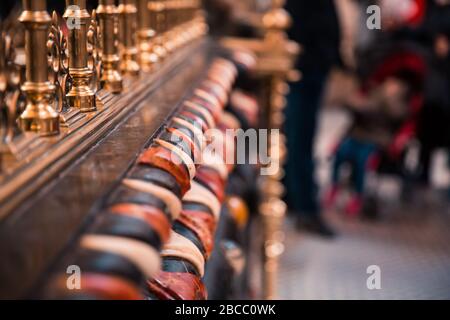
<point x="410" y="244"/>
<point x="413" y="254"/>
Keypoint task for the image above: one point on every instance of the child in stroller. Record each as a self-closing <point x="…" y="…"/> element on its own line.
<point x="384" y="121"/>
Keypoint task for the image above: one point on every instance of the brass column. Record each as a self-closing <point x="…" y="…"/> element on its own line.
<point x="146" y="35"/>
<point x="182" y="25"/>
<point x="110" y="79"/>
<point x="81" y="96"/>
<point x="283" y="54"/>
<point x="273" y="209"/>
<point x="128" y="26"/>
<point x="158" y="18"/>
<point x="39" y="115"/>
<point x="169" y="26"/>
<point x="171" y="11"/>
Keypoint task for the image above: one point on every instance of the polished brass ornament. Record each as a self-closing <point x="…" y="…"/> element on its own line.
<point x="158" y="18"/>
<point x="128" y="26"/>
<point x="110" y="78"/>
<point x="58" y="63"/>
<point x="145" y="37"/>
<point x="11" y="98"/>
<point x="93" y="52"/>
<point x="39" y="115"/>
<point x="81" y="96"/>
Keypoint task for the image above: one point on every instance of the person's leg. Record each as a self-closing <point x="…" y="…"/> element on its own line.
<point x="362" y="155"/>
<point x="342" y="155"/>
<point x="426" y="151"/>
<point x="301" y="128"/>
<point x="293" y="136"/>
<point x="448" y="167"/>
<point x="301" y="116"/>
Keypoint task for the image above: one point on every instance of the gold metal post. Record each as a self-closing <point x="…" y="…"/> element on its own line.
<point x="39" y="115"/>
<point x="81" y="96"/>
<point x="169" y="11"/>
<point x="128" y="26"/>
<point x="147" y="57"/>
<point x="276" y="21"/>
<point x="197" y="16"/>
<point x="182" y="23"/>
<point x="110" y="79"/>
<point x="273" y="211"/>
<point x="158" y="18"/>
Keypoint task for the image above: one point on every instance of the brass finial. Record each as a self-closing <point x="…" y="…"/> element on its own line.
<point x="147" y="57"/>
<point x="39" y="115"/>
<point x="276" y="21"/>
<point x="158" y="19"/>
<point x="171" y="16"/>
<point x="81" y="96"/>
<point x="110" y="78"/>
<point x="128" y="26"/>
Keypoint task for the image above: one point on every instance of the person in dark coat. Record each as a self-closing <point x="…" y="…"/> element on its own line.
<point x="316" y="28"/>
<point x="434" y="130"/>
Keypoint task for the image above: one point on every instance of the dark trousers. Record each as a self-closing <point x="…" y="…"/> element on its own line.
<point x="301" y="122"/>
<point x="357" y="154"/>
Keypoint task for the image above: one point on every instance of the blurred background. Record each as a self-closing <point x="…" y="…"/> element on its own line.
<point x="368" y="137"/>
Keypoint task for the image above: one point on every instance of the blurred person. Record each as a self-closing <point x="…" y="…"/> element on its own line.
<point x="392" y="65"/>
<point x="379" y="115"/>
<point x="6" y="6"/>
<point x="434" y="130"/>
<point x="316" y="28"/>
<point x="402" y="25"/>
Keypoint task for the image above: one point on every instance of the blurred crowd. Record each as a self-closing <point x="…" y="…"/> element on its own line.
<point x="397" y="55"/>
